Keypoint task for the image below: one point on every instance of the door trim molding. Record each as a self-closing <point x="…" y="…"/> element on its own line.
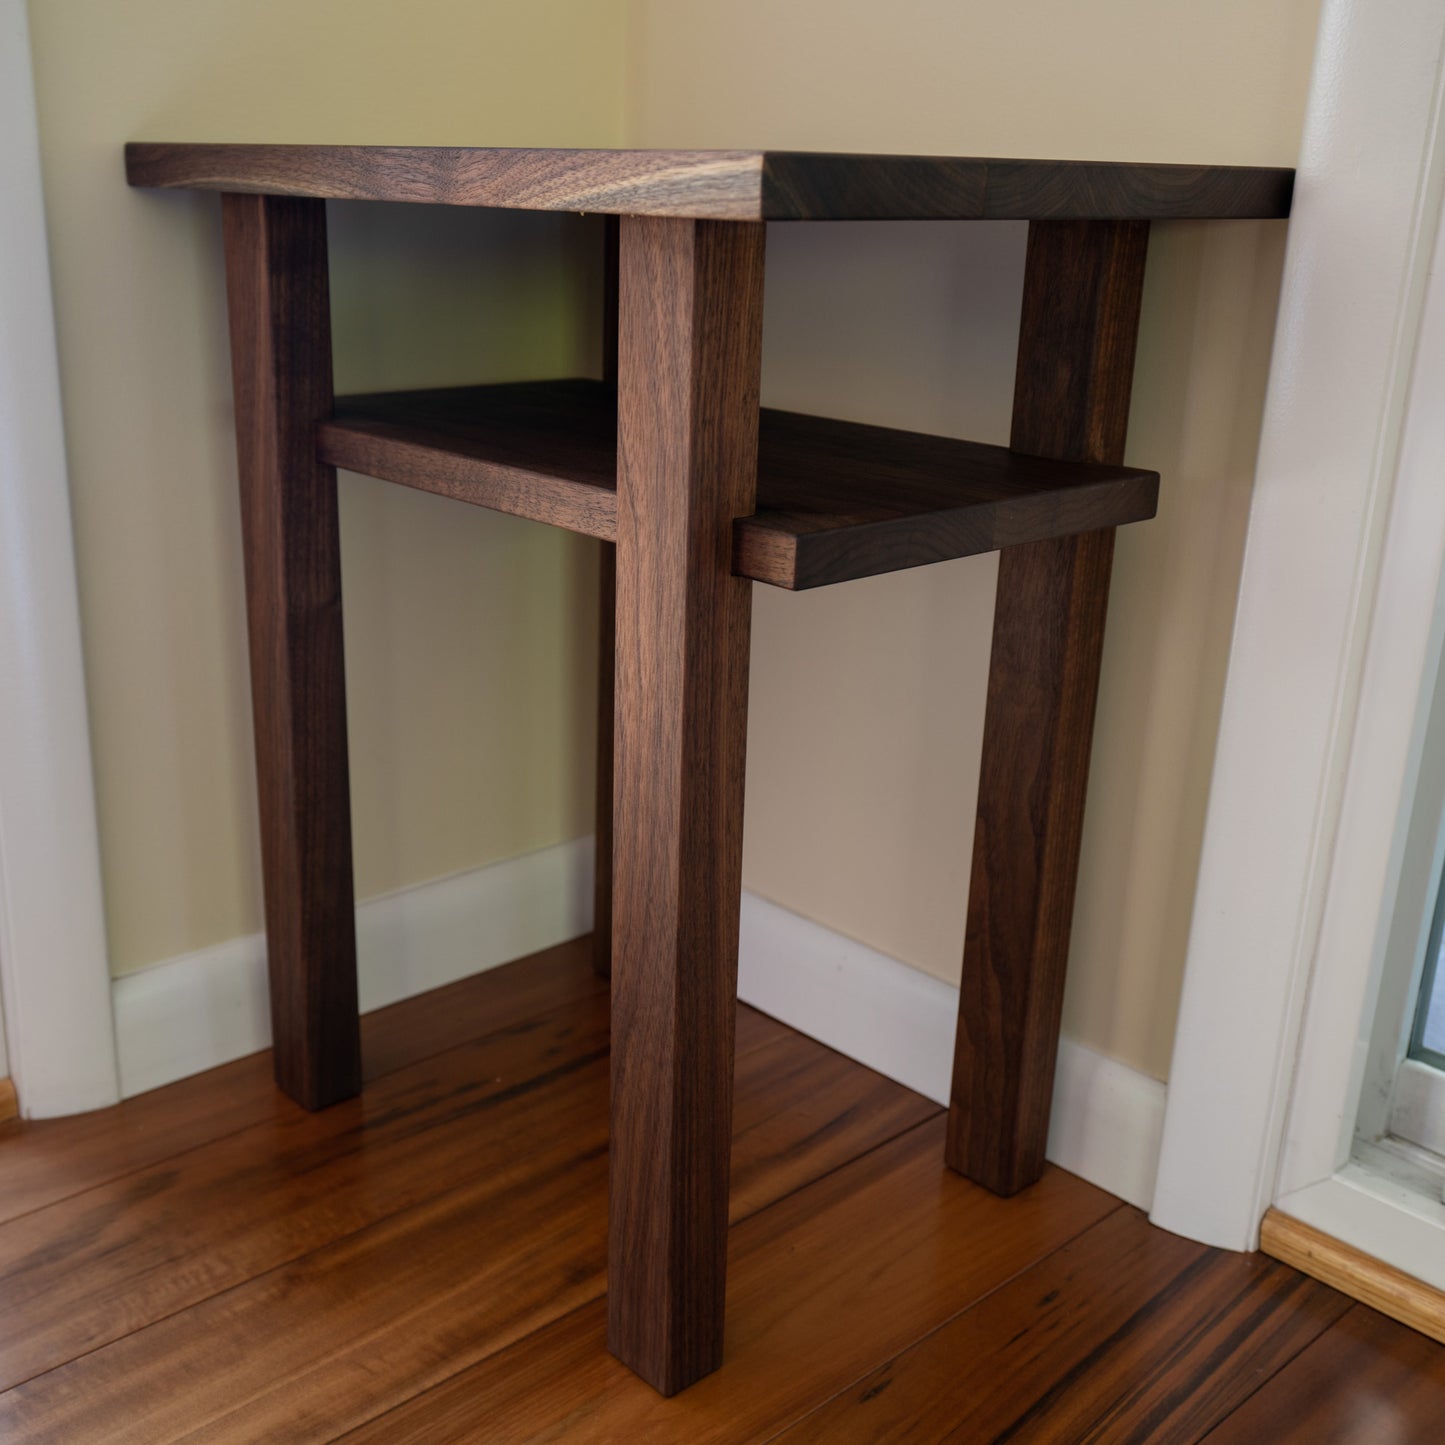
<point x="54" y="972"/>
<point x="1361" y="235"/>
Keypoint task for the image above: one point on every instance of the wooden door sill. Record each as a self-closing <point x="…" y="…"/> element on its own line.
<point x="1351" y="1271"/>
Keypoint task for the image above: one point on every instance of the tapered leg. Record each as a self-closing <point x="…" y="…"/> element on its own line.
<point x="606" y="644"/>
<point x="690" y="334"/>
<point x="281" y="369"/>
<point x="1076" y="360"/>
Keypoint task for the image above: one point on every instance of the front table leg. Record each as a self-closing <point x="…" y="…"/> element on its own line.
<point x="689" y="358"/>
<point x="281" y="372"/>
<point x="1082" y="287"/>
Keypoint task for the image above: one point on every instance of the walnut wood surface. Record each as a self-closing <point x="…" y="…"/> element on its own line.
<point x="723" y="185"/>
<point x="836" y="500"/>
<point x="689" y="358"/>
<point x="546" y="451"/>
<point x="828" y="1281"/>
<point x="1082" y="288"/>
<point x="606" y="645"/>
<point x="1125" y="1334"/>
<point x="280" y="315"/>
<point x="1367" y="1380"/>
<point x="606" y="723"/>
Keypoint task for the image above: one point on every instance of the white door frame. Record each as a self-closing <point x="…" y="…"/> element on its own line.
<point x="54" y="972"/>
<point x="1318" y="734"/>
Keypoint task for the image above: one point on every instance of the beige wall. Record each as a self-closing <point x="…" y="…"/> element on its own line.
<point x="468" y="635"/>
<point x="867" y="698"/>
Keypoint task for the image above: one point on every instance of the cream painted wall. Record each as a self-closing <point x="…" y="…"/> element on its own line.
<point x="468" y="635"/>
<point x="867" y="698"/>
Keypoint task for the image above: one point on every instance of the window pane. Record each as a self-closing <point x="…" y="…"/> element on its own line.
<point x="1427" y="1038"/>
<point x="1432" y="1010"/>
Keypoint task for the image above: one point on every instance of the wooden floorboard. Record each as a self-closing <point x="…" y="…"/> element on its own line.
<point x="427" y="1263"/>
<point x="50" y="1159"/>
<point x="1125" y="1334"/>
<point x="1367" y="1380"/>
<point x="831" y="1279"/>
<point x="456" y="1206"/>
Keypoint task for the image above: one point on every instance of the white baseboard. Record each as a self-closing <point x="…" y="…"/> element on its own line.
<point x="206" y="1008"/>
<point x="1107" y="1118"/>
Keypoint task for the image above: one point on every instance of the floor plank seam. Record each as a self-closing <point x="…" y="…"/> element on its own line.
<point x="163" y="1159"/>
<point x="1223" y="1421"/>
<point x="511" y="1029"/>
<point x="1212" y="1366"/>
<point x="845" y="1164"/>
<point x="394" y="1316"/>
<point x="943" y="1324"/>
<point x="111" y="1179"/>
<point x="493" y="1101"/>
<point x="585" y="1061"/>
<point x="590" y="1303"/>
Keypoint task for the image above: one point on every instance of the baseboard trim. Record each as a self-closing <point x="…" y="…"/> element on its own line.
<point x="1107" y="1121"/>
<point x="206" y="1008"/>
<point x="1352" y="1272"/>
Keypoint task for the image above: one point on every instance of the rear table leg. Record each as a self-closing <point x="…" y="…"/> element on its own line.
<point x="1071" y="400"/>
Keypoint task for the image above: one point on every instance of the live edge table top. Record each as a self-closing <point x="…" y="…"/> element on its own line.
<point x="725" y="185"/>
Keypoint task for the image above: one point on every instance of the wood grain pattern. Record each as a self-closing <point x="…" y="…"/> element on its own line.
<point x="836" y="500"/>
<point x="1359" y="1275"/>
<point x="723" y="185"/>
<point x="48" y="1160"/>
<point x="544" y="451"/>
<point x="445" y="1217"/>
<point x="606" y="726"/>
<point x="690" y="351"/>
<point x="873" y="1294"/>
<point x="280" y="314"/>
<point x="824" y="1283"/>
<point x="606" y="641"/>
<point x="1127" y="1334"/>
<point x="1367" y="1380"/>
<point x="839" y="500"/>
<point x="119" y="1257"/>
<point x="804" y="186"/>
<point x="1083" y="282"/>
<point x="485" y="1003"/>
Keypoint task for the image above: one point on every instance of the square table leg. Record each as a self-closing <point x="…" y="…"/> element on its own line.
<point x="606" y="706"/>
<point x="688" y="373"/>
<point x="606" y="643"/>
<point x="1082" y="289"/>
<point x="276" y="283"/>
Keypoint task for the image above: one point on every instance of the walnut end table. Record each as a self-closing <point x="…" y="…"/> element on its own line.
<point x="670" y="458"/>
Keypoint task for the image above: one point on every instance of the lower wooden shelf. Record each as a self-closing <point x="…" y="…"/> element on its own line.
<point x="836" y="500"/>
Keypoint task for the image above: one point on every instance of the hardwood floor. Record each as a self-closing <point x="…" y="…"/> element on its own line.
<point x="427" y="1263"/>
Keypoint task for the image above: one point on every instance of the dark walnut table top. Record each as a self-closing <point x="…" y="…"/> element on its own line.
<point x="724" y="185"/>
